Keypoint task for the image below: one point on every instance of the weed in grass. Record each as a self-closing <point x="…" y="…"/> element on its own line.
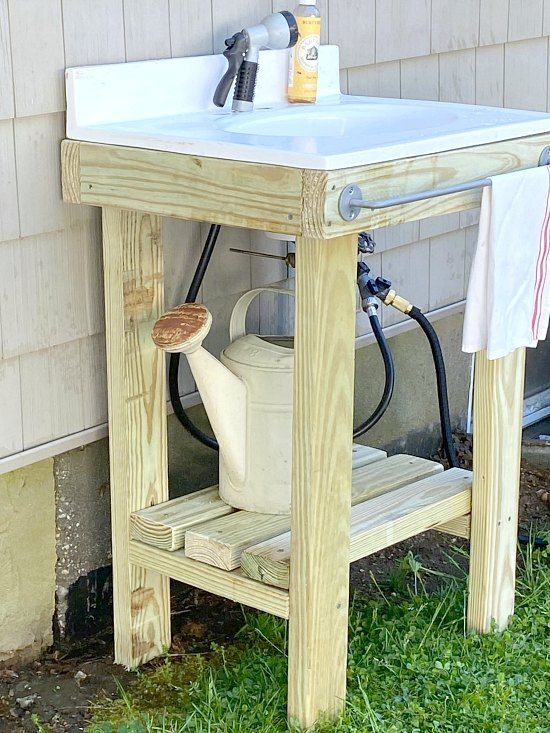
<point x="40" y="727"/>
<point x="412" y="669"/>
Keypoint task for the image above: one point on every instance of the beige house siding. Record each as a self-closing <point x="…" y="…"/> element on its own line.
<point x="51" y="323"/>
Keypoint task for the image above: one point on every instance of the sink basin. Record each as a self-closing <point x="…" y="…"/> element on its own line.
<point x="167" y="105"/>
<point x="351" y="117"/>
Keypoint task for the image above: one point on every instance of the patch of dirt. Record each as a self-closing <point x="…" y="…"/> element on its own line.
<point x="57" y="689"/>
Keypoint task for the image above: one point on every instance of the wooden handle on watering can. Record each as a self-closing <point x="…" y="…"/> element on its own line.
<point x="182" y="329"/>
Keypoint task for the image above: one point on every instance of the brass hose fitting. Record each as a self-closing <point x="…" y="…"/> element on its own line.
<point x="398" y="302"/>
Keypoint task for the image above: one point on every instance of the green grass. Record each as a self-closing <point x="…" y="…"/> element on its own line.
<point x="412" y="669"/>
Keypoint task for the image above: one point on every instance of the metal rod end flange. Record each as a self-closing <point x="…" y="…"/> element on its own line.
<point x="347" y="210"/>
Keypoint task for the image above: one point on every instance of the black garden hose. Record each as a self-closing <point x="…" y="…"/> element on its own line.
<point x="390" y="378"/>
<point x="537" y="543"/>
<point x="442" y="396"/>
<point x="173" y="371"/>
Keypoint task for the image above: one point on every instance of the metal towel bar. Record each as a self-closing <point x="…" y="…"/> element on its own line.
<point x="351" y="201"/>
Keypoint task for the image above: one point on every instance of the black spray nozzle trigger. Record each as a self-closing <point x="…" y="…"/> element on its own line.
<point x="237" y="47"/>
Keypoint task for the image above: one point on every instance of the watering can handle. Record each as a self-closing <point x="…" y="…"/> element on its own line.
<point x="237" y="324"/>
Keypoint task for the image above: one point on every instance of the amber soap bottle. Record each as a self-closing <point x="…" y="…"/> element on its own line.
<point x="304" y="61"/>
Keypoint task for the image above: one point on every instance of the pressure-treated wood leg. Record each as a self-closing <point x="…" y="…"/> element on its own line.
<point x="321" y="483"/>
<point x="498" y="403"/>
<point x="134" y="299"/>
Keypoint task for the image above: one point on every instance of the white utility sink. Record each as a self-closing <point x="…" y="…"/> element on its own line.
<point x="167" y="105"/>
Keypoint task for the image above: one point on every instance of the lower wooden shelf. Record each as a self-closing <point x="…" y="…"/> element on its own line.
<point x="245" y="557"/>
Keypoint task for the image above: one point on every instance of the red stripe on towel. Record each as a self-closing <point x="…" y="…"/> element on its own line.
<point x="542" y="266"/>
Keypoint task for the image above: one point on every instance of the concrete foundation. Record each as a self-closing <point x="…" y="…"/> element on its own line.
<point x="27" y="549"/>
<point x="83" y="537"/>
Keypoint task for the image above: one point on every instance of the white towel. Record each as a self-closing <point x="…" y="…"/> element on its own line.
<point x="508" y="302"/>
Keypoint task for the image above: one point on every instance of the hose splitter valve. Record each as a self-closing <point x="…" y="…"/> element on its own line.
<point x="369" y="288"/>
<point x="379" y="288"/>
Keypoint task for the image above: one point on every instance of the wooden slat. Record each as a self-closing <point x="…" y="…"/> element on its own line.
<point x="457" y="76"/>
<point x="490" y="75"/>
<point x="364" y="455"/>
<point x="164" y="525"/>
<point x="498" y="407"/>
<point x="410" y="510"/>
<point x="233" y="586"/>
<point x="94" y="380"/>
<point x="251" y="195"/>
<point x="420" y="78"/>
<point x="221" y="542"/>
<point x="134" y="300"/>
<point x="381" y="180"/>
<point x="324" y="350"/>
<point x="375" y="524"/>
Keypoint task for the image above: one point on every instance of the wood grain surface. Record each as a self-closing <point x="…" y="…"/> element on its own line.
<point x="134" y="299"/>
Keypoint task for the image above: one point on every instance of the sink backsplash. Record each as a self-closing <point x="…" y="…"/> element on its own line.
<point x="145" y="89"/>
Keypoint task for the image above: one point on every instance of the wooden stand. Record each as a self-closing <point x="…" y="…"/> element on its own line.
<point x="135" y="187"/>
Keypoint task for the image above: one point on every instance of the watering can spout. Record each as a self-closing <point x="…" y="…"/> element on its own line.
<point x="182" y="330"/>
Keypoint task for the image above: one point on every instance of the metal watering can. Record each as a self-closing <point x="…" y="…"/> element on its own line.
<point x="247" y="395"/>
